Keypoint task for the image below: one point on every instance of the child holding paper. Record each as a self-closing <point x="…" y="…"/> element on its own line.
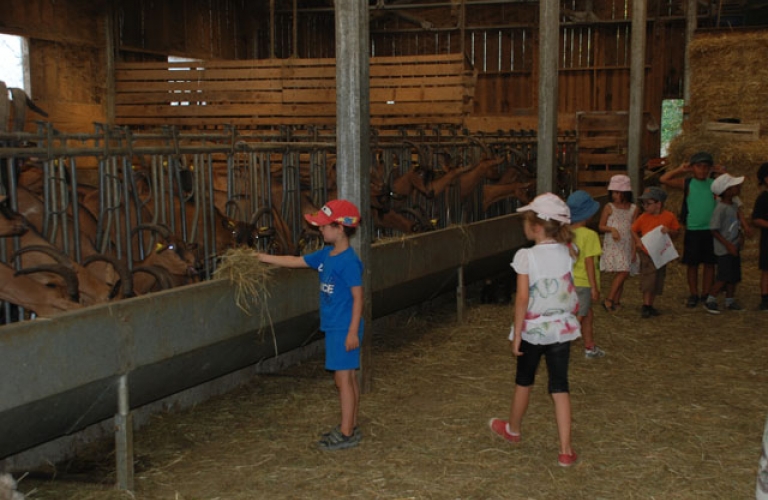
<point x="654" y="215"/>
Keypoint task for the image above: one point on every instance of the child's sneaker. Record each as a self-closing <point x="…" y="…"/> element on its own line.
<point x="734" y="306"/>
<point x="335" y="440"/>
<point x="645" y="312"/>
<point x="595" y="352"/>
<point x="692" y="301"/>
<point x="711" y="306"/>
<point x="763" y="306"/>
<point x="356" y="432"/>
<point x="499" y="427"/>
<point x="566" y="460"/>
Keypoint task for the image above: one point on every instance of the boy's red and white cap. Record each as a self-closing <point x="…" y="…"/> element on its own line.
<point x="724" y="181"/>
<point x="340" y="211"/>
<point x="548" y="206"/>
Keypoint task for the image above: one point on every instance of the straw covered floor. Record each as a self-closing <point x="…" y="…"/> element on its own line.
<point x="674" y="411"/>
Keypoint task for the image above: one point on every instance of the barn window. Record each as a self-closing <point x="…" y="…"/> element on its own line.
<point x="185" y="92"/>
<point x="671" y="122"/>
<point x="12" y="61"/>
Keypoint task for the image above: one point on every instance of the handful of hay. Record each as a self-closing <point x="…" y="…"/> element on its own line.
<point x="8" y="488"/>
<point x="249" y="276"/>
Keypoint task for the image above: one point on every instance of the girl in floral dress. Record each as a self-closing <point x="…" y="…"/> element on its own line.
<point x="616" y="221"/>
<point x="545" y="320"/>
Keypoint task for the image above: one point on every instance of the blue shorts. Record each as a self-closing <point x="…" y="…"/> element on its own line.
<point x="336" y="355"/>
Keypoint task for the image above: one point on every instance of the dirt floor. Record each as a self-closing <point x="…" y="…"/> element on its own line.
<point x="674" y="411"/>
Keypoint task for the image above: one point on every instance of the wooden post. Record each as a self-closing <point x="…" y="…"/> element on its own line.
<point x="353" y="150"/>
<point x="691" y="21"/>
<point x="636" y="91"/>
<point x="549" y="26"/>
<point x="272" y="29"/>
<point x="461" y="295"/>
<point x="109" y="28"/>
<point x="295" y="51"/>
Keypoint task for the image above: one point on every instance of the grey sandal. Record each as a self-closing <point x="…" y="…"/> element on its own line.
<point x="338" y="441"/>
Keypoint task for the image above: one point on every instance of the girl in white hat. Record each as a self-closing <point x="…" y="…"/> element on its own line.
<point x="545" y="320"/>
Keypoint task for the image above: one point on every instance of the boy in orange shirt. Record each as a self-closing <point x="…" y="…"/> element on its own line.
<point x="654" y="215"/>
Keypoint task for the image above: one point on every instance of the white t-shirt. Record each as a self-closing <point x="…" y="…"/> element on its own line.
<point x="552" y="300"/>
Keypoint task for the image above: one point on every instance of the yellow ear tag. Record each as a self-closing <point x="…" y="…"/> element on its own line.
<point x="159" y="247"/>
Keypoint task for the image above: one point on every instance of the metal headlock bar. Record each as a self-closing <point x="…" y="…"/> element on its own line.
<point x="198" y="185"/>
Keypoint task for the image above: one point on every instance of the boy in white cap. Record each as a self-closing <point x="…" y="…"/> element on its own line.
<point x="341" y="309"/>
<point x="726" y="227"/>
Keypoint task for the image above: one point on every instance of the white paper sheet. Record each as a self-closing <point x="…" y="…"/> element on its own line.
<point x="660" y="247"/>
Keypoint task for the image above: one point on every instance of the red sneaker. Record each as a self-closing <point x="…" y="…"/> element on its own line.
<point x="499" y="427"/>
<point x="566" y="460"/>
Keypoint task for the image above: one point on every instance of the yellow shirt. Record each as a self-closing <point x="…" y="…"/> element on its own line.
<point x="588" y="243"/>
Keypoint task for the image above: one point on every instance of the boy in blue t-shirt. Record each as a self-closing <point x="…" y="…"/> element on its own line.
<point x="341" y="309"/>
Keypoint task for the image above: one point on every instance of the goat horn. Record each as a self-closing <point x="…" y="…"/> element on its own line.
<point x="260" y="213"/>
<point x="160" y="274"/>
<point x="126" y="278"/>
<point x="486" y="149"/>
<point x="419" y="216"/>
<point x="155" y="228"/>
<point x="68" y="274"/>
<point x="59" y="256"/>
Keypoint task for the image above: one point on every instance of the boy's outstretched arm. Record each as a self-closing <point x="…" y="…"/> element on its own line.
<point x="282" y="260"/>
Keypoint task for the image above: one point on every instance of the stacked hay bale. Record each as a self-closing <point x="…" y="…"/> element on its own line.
<point x="729" y="81"/>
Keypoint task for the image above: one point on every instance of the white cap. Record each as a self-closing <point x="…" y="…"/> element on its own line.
<point x="724" y="181"/>
<point x="549" y="206"/>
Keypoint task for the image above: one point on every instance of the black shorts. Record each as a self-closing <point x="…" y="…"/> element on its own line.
<point x="557" y="356"/>
<point x="728" y="268"/>
<point x="699" y="248"/>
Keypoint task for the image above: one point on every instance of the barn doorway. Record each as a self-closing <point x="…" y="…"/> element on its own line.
<point x="671" y="122"/>
<point x="12" y="61"/>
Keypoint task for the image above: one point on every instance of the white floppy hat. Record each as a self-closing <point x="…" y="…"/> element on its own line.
<point x="724" y="181"/>
<point x="548" y="206"/>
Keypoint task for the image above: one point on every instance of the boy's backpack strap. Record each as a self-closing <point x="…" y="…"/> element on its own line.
<point x="684" y="207"/>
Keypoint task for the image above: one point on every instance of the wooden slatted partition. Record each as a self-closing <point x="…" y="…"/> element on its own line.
<point x="602" y="143"/>
<point x="403" y="90"/>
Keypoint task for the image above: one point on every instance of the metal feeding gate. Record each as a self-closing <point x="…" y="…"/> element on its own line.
<point x="95" y="363"/>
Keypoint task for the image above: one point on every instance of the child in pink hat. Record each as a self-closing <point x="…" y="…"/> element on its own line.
<point x="616" y="223"/>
